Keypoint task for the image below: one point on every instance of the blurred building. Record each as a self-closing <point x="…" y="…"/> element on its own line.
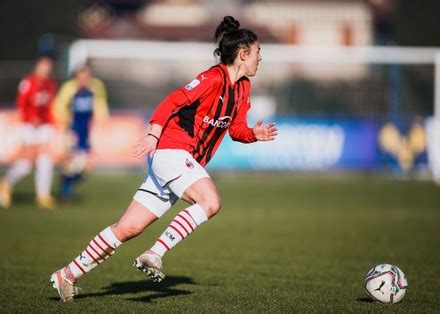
<point x="296" y="22"/>
<point x="334" y="106"/>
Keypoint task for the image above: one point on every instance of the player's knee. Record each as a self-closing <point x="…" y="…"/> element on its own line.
<point x="212" y="206"/>
<point x="125" y="232"/>
<point x="24" y="166"/>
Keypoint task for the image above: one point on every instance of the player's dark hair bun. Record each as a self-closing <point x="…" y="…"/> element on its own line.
<point x="228" y="24"/>
<point x="230" y="38"/>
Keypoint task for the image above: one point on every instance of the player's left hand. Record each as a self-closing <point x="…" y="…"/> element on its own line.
<point x="146" y="145"/>
<point x="266" y="132"/>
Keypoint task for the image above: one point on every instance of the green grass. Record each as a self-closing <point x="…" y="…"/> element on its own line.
<point x="281" y="243"/>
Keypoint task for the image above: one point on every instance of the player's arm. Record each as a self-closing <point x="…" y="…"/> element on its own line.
<point x="239" y="129"/>
<point x="24" y="91"/>
<point x="53" y="87"/>
<point x="241" y="132"/>
<point x="184" y="96"/>
<point x="61" y="103"/>
<point x="100" y="104"/>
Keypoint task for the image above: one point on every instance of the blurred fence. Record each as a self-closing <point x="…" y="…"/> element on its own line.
<point x="111" y="140"/>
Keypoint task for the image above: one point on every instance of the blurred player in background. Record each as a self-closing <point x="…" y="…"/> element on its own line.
<point x="80" y="101"/>
<point x="186" y="130"/>
<point x="34" y="103"/>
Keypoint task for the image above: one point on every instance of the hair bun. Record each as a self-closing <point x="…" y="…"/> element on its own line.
<point x="228" y="24"/>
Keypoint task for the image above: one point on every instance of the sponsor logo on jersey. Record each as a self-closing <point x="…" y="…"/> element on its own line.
<point x="42" y="98"/>
<point x="82" y="104"/>
<point x="191" y="85"/>
<point x="189" y="164"/>
<point x="222" y="122"/>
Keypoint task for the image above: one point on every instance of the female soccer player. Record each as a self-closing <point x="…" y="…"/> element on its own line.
<point x="186" y="129"/>
<point x="34" y="103"/>
<point x="80" y="101"/>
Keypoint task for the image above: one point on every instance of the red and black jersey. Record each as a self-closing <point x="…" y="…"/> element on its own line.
<point x="196" y="116"/>
<point x="34" y="99"/>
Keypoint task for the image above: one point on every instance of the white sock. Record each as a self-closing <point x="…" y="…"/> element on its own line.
<point x="18" y="170"/>
<point x="99" y="249"/>
<point x="182" y="226"/>
<point x="43" y="175"/>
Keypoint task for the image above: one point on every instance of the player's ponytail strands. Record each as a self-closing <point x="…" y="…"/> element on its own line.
<point x="231" y="38"/>
<point x="102" y="246"/>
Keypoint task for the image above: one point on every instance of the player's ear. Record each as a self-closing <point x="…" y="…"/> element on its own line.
<point x="242" y="53"/>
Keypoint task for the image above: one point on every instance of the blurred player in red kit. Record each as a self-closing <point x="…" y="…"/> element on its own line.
<point x="36" y="92"/>
<point x="186" y="130"/>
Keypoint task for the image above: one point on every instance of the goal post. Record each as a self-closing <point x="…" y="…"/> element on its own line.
<point x="309" y="81"/>
<point x="82" y="50"/>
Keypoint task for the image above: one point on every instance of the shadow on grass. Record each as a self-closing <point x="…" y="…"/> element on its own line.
<point x="164" y="289"/>
<point x="24" y="198"/>
<point x="365" y="299"/>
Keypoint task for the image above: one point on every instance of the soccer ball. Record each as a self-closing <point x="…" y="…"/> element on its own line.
<point x="386" y="283"/>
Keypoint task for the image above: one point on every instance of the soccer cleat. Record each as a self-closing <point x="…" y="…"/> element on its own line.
<point x="151" y="264"/>
<point x="46" y="202"/>
<point x="5" y="194"/>
<point x="66" y="289"/>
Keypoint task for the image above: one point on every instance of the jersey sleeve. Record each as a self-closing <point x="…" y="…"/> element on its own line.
<point x="23" y="94"/>
<point x="185" y="96"/>
<point x="62" y="101"/>
<point x="100" y="104"/>
<point x="239" y="129"/>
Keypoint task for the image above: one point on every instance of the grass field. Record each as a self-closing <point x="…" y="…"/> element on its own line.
<point x="280" y="244"/>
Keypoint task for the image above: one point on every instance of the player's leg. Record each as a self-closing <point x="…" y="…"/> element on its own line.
<point x="77" y="164"/>
<point x="44" y="168"/>
<point x="206" y="203"/>
<point x="72" y="172"/>
<point x="205" y="200"/>
<point x="135" y="219"/>
<point x="21" y="167"/>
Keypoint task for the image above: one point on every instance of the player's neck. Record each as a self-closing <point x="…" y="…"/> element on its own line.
<point x="235" y="73"/>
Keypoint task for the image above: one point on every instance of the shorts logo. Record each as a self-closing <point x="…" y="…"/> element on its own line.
<point x="189" y="164"/>
<point x="192" y="84"/>
<point x="222" y="122"/>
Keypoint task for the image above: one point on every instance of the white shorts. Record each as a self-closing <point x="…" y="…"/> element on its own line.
<point x="170" y="173"/>
<point x="30" y="134"/>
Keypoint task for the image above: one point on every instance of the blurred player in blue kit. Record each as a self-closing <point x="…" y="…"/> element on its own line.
<point x="80" y="101"/>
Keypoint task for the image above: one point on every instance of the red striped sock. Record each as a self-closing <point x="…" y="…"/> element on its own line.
<point x="102" y="246"/>
<point x="182" y="226"/>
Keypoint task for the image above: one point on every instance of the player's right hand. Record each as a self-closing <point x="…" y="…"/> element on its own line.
<point x="146" y="145"/>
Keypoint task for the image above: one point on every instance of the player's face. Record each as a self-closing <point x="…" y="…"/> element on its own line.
<point x="43" y="68"/>
<point x="83" y="76"/>
<point x="252" y="58"/>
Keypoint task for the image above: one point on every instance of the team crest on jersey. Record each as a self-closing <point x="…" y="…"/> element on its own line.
<point x="189" y="164"/>
<point x="191" y="85"/>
